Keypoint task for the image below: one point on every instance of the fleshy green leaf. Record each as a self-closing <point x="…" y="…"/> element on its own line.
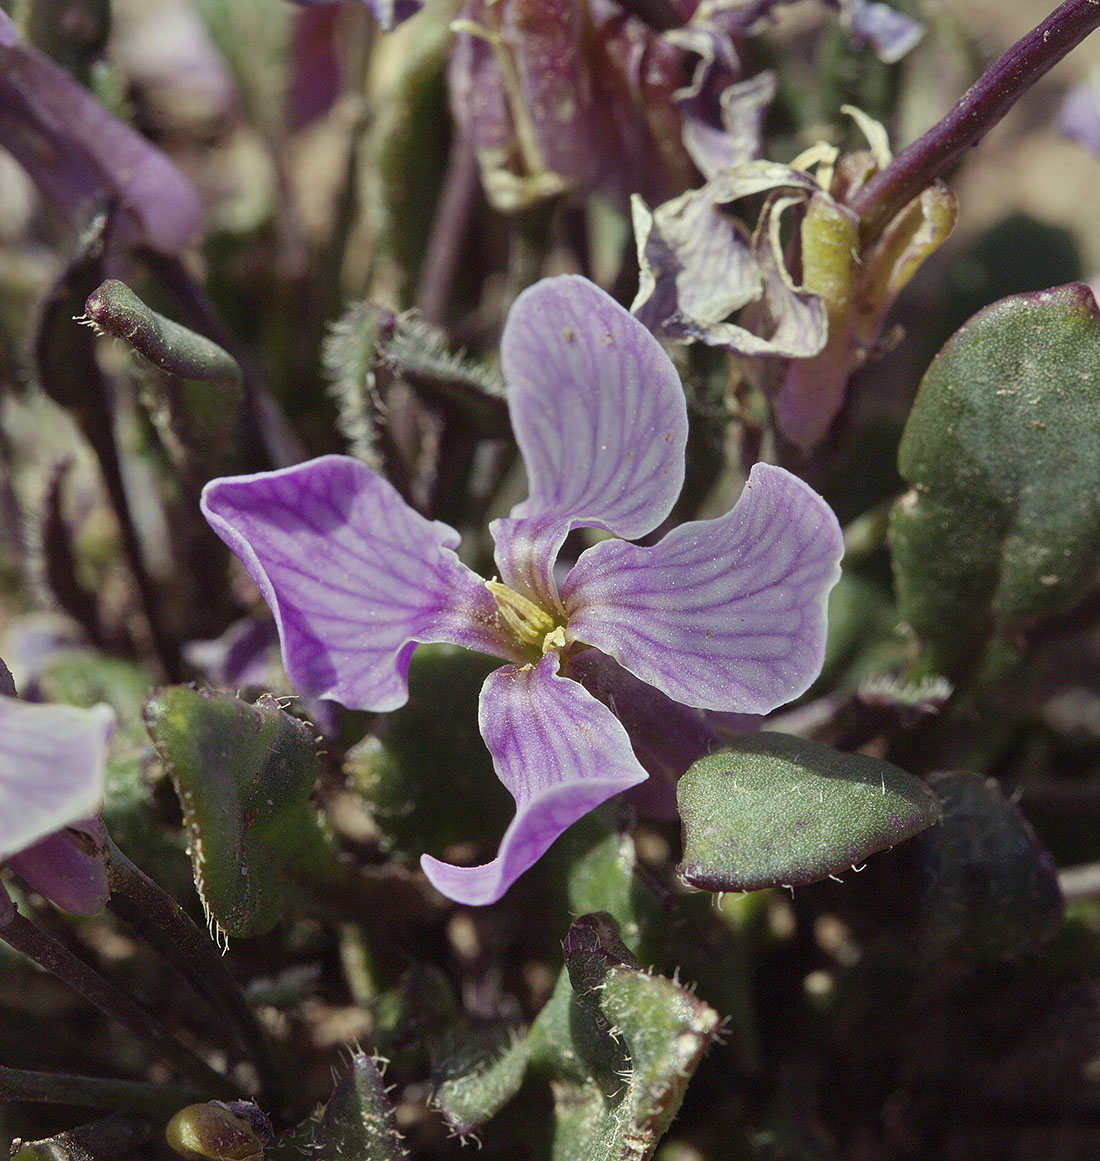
<point x="618" y="1046"/>
<point x="988" y="889"/>
<point x="427" y="777"/>
<point x="779" y="810"/>
<point x="243" y="774"/>
<point x="358" y="1121"/>
<point x="1002" y="452"/>
<point x="477" y="1068"/>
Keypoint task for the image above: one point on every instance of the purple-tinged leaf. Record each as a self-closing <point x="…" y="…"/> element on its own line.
<point x="69" y="867"/>
<point x="599" y="415"/>
<point x="666" y="735"/>
<point x="559" y="752"/>
<point x="80" y="155"/>
<point x="726" y="614"/>
<point x="355" y="578"/>
<point x="52" y="764"/>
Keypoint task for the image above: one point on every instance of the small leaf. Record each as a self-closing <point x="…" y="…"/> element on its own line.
<point x="988" y="889"/>
<point x="1002" y="451"/>
<point x="427" y="777"/>
<point x="477" y="1069"/>
<point x="358" y="1121"/>
<point x="194" y="402"/>
<point x="243" y="774"/>
<point x="619" y="1051"/>
<point x="779" y="810"/>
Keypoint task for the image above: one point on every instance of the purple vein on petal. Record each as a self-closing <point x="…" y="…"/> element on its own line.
<point x="355" y="578"/>
<point x="559" y="752"/>
<point x="599" y="416"/>
<point x="724" y="614"/>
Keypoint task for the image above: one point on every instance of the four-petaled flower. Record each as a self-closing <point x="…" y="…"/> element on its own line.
<point x="725" y="614"/>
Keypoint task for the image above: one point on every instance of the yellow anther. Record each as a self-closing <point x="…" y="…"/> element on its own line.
<point x="554" y="640"/>
<point x="530" y="623"/>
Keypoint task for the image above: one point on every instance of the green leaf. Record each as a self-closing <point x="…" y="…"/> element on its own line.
<point x="427" y="778"/>
<point x="477" y="1068"/>
<point x="618" y="1046"/>
<point x="194" y="401"/>
<point x="243" y="774"/>
<point x="988" y="889"/>
<point x="1002" y="453"/>
<point x="358" y="1121"/>
<point x="777" y="810"/>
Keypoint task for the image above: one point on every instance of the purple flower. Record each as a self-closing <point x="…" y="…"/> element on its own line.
<point x="725" y="614"/>
<point x="52" y="764"/>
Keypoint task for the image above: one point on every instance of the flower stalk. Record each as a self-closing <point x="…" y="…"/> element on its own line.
<point x="981" y="107"/>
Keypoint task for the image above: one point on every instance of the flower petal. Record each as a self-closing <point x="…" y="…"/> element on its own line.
<point x="724" y="614"/>
<point x="599" y="415"/>
<point x="52" y="763"/>
<point x="69" y="867"/>
<point x="559" y="752"/>
<point x="354" y="577"/>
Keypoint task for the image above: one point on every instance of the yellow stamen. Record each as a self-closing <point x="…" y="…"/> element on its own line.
<point x="530" y="623"/>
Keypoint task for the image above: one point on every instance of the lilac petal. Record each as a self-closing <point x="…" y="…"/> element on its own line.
<point x="724" y="614"/>
<point x="1079" y="116"/>
<point x="559" y="752"/>
<point x="599" y="415"/>
<point x="891" y="34"/>
<point x="69" y="867"/>
<point x="354" y="577"/>
<point x="80" y="154"/>
<point x="52" y="763"/>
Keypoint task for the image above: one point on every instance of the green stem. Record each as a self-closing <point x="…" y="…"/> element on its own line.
<point x="94" y="1092"/>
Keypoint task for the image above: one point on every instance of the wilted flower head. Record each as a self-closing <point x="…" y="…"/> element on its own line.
<point x="808" y="323"/>
<point x="52" y="764"/>
<point x="725" y="614"/>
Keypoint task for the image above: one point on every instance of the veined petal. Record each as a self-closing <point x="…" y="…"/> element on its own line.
<point x="52" y="763"/>
<point x="355" y="578"/>
<point x="599" y="415"/>
<point x="559" y="752"/>
<point x="724" y="614"/>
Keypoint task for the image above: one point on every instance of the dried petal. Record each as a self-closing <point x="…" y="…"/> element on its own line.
<point x="724" y="614"/>
<point x="354" y="577"/>
<point x="559" y="752"/>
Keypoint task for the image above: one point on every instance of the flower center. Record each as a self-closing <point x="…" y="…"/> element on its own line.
<point x="531" y="623"/>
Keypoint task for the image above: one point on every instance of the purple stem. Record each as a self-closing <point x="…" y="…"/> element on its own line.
<point x="450" y="228"/>
<point x="979" y="109"/>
